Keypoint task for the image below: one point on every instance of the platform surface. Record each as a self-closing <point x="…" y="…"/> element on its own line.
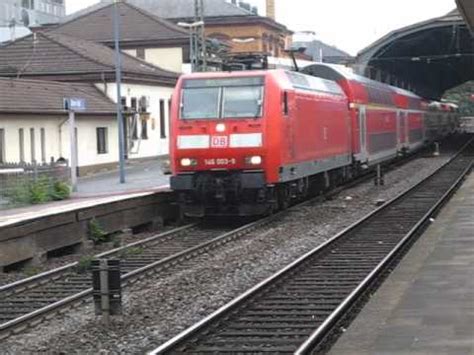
<point x="24" y="214"/>
<point x="426" y="306"/>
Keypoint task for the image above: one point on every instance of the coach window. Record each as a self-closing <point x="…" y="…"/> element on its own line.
<point x="102" y="140"/>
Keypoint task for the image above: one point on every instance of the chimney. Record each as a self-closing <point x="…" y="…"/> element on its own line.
<point x="271" y="9"/>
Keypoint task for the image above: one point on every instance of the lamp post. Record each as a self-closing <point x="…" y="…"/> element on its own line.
<point x="118" y="82"/>
<point x="193" y="47"/>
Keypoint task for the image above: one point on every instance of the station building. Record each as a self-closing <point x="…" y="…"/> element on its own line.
<point x="146" y="93"/>
<point x="34" y="125"/>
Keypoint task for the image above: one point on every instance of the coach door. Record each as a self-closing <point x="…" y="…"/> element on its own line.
<point x="363" y="132"/>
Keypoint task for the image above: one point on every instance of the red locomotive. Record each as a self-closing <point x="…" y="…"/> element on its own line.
<point x="247" y="143"/>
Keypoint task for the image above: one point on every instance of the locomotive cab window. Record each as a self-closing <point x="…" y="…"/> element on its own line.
<point x="242" y="101"/>
<point x="222" y="98"/>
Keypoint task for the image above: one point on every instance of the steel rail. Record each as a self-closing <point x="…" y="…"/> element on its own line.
<point x="35" y="317"/>
<point x="338" y="314"/>
<point x="40" y="279"/>
<point x="191" y="335"/>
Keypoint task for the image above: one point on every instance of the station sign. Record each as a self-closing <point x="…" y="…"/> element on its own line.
<point x="75" y="104"/>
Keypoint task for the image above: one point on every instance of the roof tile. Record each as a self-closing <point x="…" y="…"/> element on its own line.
<point x="36" y="96"/>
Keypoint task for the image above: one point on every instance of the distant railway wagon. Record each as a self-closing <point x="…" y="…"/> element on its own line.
<point x="251" y="142"/>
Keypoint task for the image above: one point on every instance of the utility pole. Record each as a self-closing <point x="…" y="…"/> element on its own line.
<point x="118" y="81"/>
<point x="200" y="35"/>
<point x="72" y="140"/>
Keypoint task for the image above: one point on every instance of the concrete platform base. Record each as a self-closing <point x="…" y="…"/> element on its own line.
<point x="426" y="306"/>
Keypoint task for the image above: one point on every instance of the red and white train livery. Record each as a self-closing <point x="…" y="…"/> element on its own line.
<point x="245" y="143"/>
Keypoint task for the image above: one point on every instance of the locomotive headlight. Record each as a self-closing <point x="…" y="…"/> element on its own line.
<point x="186" y="162"/>
<point x="255" y="160"/>
<point x="220" y="128"/>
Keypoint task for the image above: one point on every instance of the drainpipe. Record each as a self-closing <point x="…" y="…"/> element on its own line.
<point x="60" y="139"/>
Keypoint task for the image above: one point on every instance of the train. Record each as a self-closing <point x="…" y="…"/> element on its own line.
<point x="250" y="143"/>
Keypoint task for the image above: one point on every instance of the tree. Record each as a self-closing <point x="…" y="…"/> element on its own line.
<point x="462" y="96"/>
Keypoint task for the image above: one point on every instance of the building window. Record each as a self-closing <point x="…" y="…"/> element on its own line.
<point x="43" y="145"/>
<point x="141" y="53"/>
<point x="123" y="103"/>
<point x="21" y="137"/>
<point x="144" y="129"/>
<point x="162" y="119"/>
<point x="134" y="106"/>
<point x="102" y="141"/>
<point x="33" y="145"/>
<point x="2" y="146"/>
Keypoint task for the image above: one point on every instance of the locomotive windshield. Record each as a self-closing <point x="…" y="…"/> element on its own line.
<point x="222" y="98"/>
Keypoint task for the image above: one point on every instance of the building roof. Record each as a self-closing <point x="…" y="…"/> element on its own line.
<point x="136" y="25"/>
<point x="36" y="96"/>
<point x="48" y="54"/>
<point x="173" y="9"/>
<point x="430" y="56"/>
<point x="466" y="7"/>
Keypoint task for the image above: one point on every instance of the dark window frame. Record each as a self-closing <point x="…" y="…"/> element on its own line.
<point x="141" y="53"/>
<point x="3" y="146"/>
<point x="43" y="144"/>
<point x="144" y="130"/>
<point x="33" y="145"/>
<point x="102" y="140"/>
<point x="21" y="141"/>
<point x="162" y="119"/>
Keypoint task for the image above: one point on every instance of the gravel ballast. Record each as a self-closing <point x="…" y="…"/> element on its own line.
<point x="162" y="307"/>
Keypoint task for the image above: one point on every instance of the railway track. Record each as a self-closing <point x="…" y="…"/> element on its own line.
<point x="27" y="303"/>
<point x="299" y="309"/>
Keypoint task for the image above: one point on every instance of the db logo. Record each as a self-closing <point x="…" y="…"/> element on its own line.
<point x="219" y="142"/>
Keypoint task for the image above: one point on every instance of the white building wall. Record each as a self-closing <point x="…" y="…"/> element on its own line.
<point x="155" y="145"/>
<point x="166" y="58"/>
<point x="56" y="143"/>
<point x="11" y="124"/>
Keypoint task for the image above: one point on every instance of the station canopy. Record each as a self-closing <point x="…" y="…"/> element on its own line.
<point x="428" y="58"/>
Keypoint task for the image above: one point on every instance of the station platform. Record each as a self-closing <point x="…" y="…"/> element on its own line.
<point x="16" y="215"/>
<point x="426" y="306"/>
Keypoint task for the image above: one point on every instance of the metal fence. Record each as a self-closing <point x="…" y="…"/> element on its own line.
<point x="23" y="183"/>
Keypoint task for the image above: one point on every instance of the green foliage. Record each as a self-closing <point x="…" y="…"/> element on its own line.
<point x="96" y="233"/>
<point x="60" y="191"/>
<point x="39" y="193"/>
<point x="461" y="96"/>
<point x="131" y="252"/>
<point x="20" y="195"/>
<point x="84" y="264"/>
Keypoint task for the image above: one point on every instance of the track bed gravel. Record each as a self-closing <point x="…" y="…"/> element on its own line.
<point x="57" y="262"/>
<point x="162" y="307"/>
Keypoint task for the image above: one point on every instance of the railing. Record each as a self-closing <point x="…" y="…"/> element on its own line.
<point x="29" y="183"/>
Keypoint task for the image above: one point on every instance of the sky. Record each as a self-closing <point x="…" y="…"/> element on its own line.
<point x="350" y="25"/>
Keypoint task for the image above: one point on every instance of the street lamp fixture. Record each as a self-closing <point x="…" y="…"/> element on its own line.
<point x="193" y="47"/>
<point x="243" y="40"/>
<point x="191" y="25"/>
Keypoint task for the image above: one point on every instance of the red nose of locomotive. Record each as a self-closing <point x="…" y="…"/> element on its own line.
<point x="218" y="144"/>
<point x="214" y="145"/>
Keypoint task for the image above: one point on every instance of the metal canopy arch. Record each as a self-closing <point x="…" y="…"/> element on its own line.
<point x="466" y="7"/>
<point x="428" y="58"/>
